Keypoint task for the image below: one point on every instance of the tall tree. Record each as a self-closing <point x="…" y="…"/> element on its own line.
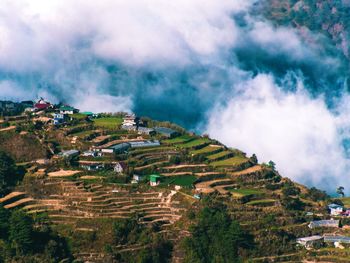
<point x="21" y="232"/>
<point x="8" y="171"/>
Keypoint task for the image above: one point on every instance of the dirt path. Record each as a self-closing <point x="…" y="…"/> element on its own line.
<point x="206" y="187"/>
<point x="250" y="170"/>
<point x="8" y="129"/>
<point x="63" y="173"/>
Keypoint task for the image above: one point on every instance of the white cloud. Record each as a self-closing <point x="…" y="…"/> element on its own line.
<point x="299" y="133"/>
<point x="33" y="32"/>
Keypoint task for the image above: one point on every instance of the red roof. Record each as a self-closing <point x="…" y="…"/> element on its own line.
<point x="41" y="106"/>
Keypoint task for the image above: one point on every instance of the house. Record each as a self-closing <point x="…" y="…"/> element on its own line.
<point x="59" y="118"/>
<point x="68" y="110"/>
<point x="42" y="104"/>
<point x="154" y="179"/>
<point x="120" y="167"/>
<point x="146" y="131"/>
<point x="90" y="114"/>
<point x="130" y="120"/>
<point x="324" y="223"/>
<point x="91" y="154"/>
<point x="136" y="178"/>
<point x="92" y="166"/>
<point x="335" y="209"/>
<point x="346" y="212"/>
<point x="166" y="132"/>
<point x="118" y="148"/>
<point x="337" y="239"/>
<point x="310" y="242"/>
<point x="70" y="154"/>
<point x="141" y="144"/>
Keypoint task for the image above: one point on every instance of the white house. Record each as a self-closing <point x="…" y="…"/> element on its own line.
<point x="335" y="209"/>
<point x="120" y="167"/>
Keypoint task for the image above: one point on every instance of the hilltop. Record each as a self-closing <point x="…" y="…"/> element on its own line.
<point x="122" y="188"/>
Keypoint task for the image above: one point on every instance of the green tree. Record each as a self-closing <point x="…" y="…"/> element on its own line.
<point x="8" y="171"/>
<point x="216" y="238"/>
<point x="21" y="232"/>
<point x="4" y="222"/>
<point x="340" y="191"/>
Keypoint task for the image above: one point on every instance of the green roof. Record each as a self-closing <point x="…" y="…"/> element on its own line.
<point x="87" y="113"/>
<point x="154" y="177"/>
<point x="67" y="108"/>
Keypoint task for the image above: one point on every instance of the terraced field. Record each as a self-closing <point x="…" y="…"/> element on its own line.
<point x="73" y="201"/>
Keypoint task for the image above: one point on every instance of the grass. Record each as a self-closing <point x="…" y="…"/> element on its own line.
<point x="262" y="202"/>
<point x="207" y="149"/>
<point x="79" y="116"/>
<point x="345" y="200"/>
<point x="183" y="180"/>
<point x="108" y="122"/>
<point x="245" y="192"/>
<point x="181" y="139"/>
<point x="218" y="155"/>
<point x="237" y="160"/>
<point x="194" y="143"/>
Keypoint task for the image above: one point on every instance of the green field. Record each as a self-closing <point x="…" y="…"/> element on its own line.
<point x="182" y="180"/>
<point x="262" y="202"/>
<point x="194" y="143"/>
<point x="245" y="192"/>
<point x="108" y="122"/>
<point x="218" y="155"/>
<point x="237" y="160"/>
<point x="345" y="200"/>
<point x="181" y="139"/>
<point x="207" y="149"/>
<point x="79" y="116"/>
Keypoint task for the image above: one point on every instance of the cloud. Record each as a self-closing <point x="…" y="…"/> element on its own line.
<point x="177" y="61"/>
<point x="298" y="133"/>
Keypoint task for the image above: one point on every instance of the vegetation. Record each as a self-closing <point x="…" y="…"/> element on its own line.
<point x="215" y="238"/>
<point x="234" y="161"/>
<point x="20" y="241"/>
<point x="108" y="122"/>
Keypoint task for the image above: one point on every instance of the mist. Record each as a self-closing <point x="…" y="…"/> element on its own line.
<point x="209" y="66"/>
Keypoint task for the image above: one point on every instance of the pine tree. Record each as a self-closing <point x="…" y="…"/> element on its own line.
<point x="21" y="232"/>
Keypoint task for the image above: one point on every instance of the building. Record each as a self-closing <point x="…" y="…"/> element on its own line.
<point x="146" y="131"/>
<point x="335" y="209"/>
<point x="129" y="121"/>
<point x="154" y="179"/>
<point x="120" y="148"/>
<point x="324" y="223"/>
<point x="310" y="242"/>
<point x="166" y="132"/>
<point x="91" y="154"/>
<point x="68" y="110"/>
<point x="337" y="239"/>
<point x="141" y="144"/>
<point x="70" y="154"/>
<point x="92" y="166"/>
<point x="120" y="167"/>
<point x="59" y="118"/>
<point x="42" y="104"/>
<point x="136" y="178"/>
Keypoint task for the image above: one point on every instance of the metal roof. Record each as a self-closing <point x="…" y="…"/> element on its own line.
<point x="311" y="238"/>
<point x="340" y="239"/>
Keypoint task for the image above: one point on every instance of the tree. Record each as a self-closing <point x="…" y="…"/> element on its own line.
<point x="21" y="232"/>
<point x="340" y="191"/>
<point x="4" y="222"/>
<point x="272" y="165"/>
<point x="254" y="159"/>
<point x="8" y="171"/>
<point x="216" y="238"/>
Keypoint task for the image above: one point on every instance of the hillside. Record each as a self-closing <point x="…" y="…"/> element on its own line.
<point x="120" y="194"/>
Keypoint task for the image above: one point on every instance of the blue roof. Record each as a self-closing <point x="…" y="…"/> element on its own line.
<point x="334" y="206"/>
<point x="340" y="239"/>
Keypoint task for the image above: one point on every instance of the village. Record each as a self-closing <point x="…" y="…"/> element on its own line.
<point x="110" y="165"/>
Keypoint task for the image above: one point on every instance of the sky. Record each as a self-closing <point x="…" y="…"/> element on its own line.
<point x="210" y="66"/>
